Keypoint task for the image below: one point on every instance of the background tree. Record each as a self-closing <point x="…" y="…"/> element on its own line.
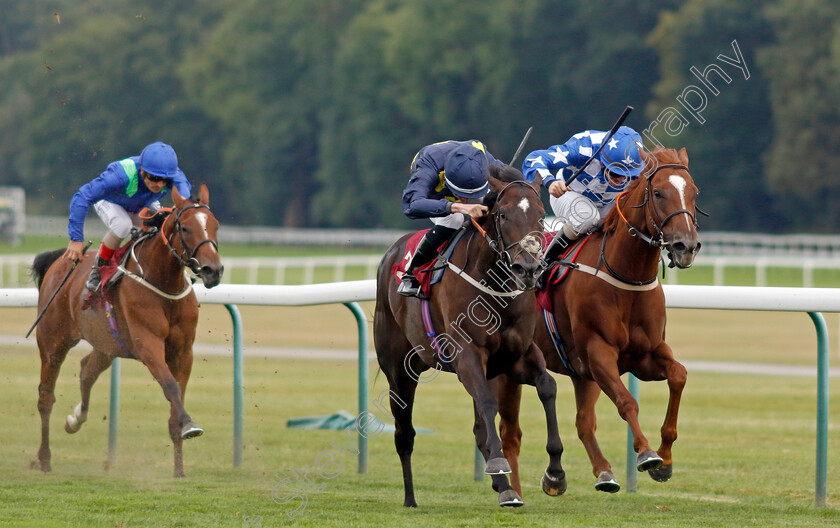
<point x="725" y="152"/>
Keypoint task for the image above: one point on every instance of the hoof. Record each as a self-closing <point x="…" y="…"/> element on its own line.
<point x="606" y="482"/>
<point x="410" y="503"/>
<point x="40" y="464"/>
<point x="74" y="421"/>
<point x="510" y="498"/>
<point x="191" y="430"/>
<point x="497" y="466"/>
<point x="72" y="424"/>
<point x="662" y="473"/>
<point x="553" y="487"/>
<point x="648" y="460"/>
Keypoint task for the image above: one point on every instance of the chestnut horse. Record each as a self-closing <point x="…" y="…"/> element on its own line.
<point x="153" y="317"/>
<point x="614" y="322"/>
<point x="481" y="332"/>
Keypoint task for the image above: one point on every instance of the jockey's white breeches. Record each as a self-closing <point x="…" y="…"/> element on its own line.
<point x="578" y="211"/>
<point x="452" y="221"/>
<point x="118" y="220"/>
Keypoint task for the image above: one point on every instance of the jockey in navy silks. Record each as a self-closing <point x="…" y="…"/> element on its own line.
<point x="117" y="195"/>
<point x="585" y="202"/>
<point x="448" y="181"/>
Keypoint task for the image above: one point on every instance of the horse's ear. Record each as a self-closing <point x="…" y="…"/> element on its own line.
<point x="537" y="182"/>
<point x="683" y="155"/>
<point x="179" y="200"/>
<point x="203" y="195"/>
<point x="493" y="178"/>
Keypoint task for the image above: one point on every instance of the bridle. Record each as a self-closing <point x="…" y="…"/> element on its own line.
<point x="658" y="224"/>
<point x="653" y="216"/>
<point x="185" y="257"/>
<point x="528" y="243"/>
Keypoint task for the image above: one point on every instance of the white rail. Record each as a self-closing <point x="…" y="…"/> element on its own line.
<point x="811" y="300"/>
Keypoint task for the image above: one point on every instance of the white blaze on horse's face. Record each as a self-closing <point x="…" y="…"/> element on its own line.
<point x="679" y="183"/>
<point x="524" y="204"/>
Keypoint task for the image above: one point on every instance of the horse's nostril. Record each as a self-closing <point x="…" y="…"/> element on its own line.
<point x="678" y="247"/>
<point x="518" y="269"/>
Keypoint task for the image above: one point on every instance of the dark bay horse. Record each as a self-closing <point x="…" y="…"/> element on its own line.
<point x="480" y="333"/>
<point x="153" y="318"/>
<point x="609" y="328"/>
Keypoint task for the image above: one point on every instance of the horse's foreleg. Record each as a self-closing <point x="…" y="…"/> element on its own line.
<point x="509" y="396"/>
<point x="586" y="395"/>
<point x="92" y="366"/>
<point x="604" y="367"/>
<point x="508" y="496"/>
<point x="677" y="375"/>
<point x="172" y="391"/>
<point x="473" y="376"/>
<point x="181" y="367"/>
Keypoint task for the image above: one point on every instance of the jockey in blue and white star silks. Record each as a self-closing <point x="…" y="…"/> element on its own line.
<point x="582" y="204"/>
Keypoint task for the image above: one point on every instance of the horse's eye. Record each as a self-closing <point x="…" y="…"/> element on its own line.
<point x="657" y="193"/>
<point x="502" y="215"/>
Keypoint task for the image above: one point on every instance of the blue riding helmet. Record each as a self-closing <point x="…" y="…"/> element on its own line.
<point x="621" y="154"/>
<point x="465" y="172"/>
<point x="160" y="160"/>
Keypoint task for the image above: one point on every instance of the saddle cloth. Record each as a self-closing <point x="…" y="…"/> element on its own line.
<point x="427" y="276"/>
<point x="557" y="272"/>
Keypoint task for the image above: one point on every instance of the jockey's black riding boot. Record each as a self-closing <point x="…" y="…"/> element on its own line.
<point x="425" y="252"/>
<point x="553" y="252"/>
<point x="94" y="280"/>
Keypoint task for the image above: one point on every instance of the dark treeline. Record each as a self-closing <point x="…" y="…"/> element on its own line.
<point x="308" y="113"/>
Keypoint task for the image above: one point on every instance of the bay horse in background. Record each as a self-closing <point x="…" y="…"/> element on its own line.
<point x="614" y="322"/>
<point x="153" y="317"/>
<point x="481" y="334"/>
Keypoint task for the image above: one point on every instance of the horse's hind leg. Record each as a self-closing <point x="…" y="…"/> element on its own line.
<point x="181" y="366"/>
<point x="531" y="369"/>
<point x="92" y="366"/>
<point x="586" y="395"/>
<point x="403" y="387"/>
<point x="52" y="356"/>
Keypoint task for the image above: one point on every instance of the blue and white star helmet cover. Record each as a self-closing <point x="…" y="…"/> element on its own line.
<point x="622" y="153"/>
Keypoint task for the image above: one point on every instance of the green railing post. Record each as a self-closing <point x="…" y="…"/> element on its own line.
<point x="238" y="385"/>
<point x="478" y="469"/>
<point x="361" y="321"/>
<point x="114" y="411"/>
<point x="820" y="488"/>
<point x="632" y="477"/>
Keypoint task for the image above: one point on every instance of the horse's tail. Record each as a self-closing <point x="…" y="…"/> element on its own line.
<point x="42" y="263"/>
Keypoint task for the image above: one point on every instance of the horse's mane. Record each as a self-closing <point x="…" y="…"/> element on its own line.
<point x="506" y="174"/>
<point x="652" y="159"/>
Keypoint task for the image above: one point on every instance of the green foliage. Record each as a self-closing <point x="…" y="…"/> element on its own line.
<point x="308" y="113"/>
<point x="804" y="81"/>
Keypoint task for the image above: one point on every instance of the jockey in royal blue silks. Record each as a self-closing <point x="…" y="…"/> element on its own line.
<point x="117" y="195"/>
<point x="448" y="180"/>
<point x="585" y="202"/>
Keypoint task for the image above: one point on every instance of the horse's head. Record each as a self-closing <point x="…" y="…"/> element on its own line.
<point x="515" y="223"/>
<point x="669" y="199"/>
<point x="192" y="230"/>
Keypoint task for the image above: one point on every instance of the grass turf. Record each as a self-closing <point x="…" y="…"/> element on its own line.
<point x="745" y="456"/>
